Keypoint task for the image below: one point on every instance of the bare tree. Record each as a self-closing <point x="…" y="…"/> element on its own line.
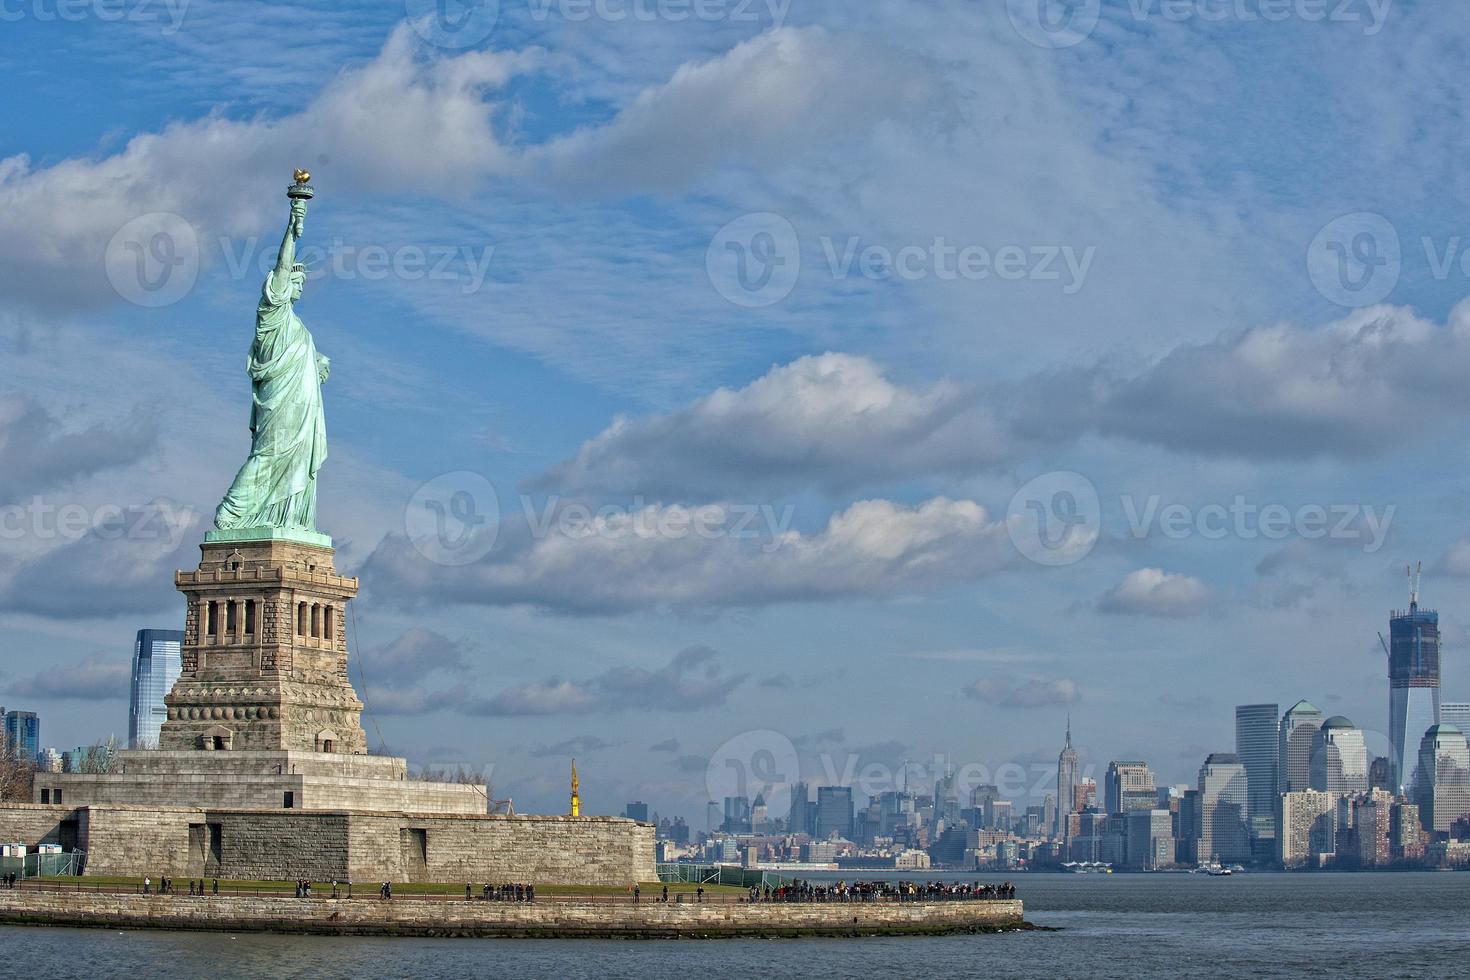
<point x="17" y="774"/>
<point x="443" y="774"/>
<point x="95" y="759"/>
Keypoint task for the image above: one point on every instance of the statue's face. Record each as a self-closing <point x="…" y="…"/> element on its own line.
<point x="298" y="282"/>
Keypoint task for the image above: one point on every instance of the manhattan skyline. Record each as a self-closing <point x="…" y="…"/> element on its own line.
<point x="1268" y="443"/>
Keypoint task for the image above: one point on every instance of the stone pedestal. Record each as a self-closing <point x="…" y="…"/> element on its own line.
<point x="265" y="651"/>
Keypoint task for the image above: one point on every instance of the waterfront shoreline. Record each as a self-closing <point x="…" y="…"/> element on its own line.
<point x="424" y="918"/>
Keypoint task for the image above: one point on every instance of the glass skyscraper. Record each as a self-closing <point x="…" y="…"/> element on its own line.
<point x="1223" y="795"/>
<point x="23" y="734"/>
<point x="1413" y="685"/>
<point x="834" y="812"/>
<point x="1257" y="743"/>
<point x="156" y="665"/>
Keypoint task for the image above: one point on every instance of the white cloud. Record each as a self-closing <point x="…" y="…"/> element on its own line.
<point x="1455" y="560"/>
<point x="692" y="680"/>
<point x="1154" y="592"/>
<point x="404" y="120"/>
<point x="621" y="563"/>
<point x="759" y="104"/>
<point x="832" y="420"/>
<point x="1358" y="386"/>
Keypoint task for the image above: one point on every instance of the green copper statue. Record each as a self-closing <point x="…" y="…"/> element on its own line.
<point x="276" y="488"/>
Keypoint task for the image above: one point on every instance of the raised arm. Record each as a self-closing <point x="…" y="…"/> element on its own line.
<point x="286" y="257"/>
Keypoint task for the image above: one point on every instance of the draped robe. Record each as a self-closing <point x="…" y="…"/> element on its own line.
<point x="276" y="488"/>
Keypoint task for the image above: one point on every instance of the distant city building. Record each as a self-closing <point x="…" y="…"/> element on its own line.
<point x="156" y="665"/>
<point x="1380" y="774"/>
<point x="797" y="822"/>
<point x="1372" y="819"/>
<point x="898" y="813"/>
<point x="737" y="815"/>
<point x="1405" y="832"/>
<point x="984" y="798"/>
<point x="759" y="815"/>
<point x="1001" y="815"/>
<point x="1298" y="732"/>
<point x="1066" y="787"/>
<point x="1308" y="825"/>
<point x="48" y="760"/>
<point x="834" y="812"/>
<point x="1442" y="787"/>
<point x="636" y="811"/>
<point x="1222" y="808"/>
<point x="1413" y="684"/>
<point x="1258" y="744"/>
<point x="1086" y="795"/>
<point x="23" y="734"/>
<point x="1456" y="713"/>
<point x="1187" y="827"/>
<point x="946" y="800"/>
<point x="1339" y="758"/>
<point x="1150" y="837"/>
<point x="1128" y="786"/>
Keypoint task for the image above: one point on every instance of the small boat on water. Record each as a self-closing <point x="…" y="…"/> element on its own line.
<point x="1214" y="869"/>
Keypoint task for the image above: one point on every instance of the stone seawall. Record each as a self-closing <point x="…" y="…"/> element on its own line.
<point x="127" y="841"/>
<point x="555" y="918"/>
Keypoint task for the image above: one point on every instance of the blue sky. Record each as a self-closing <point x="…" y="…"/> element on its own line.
<point x="1145" y="276"/>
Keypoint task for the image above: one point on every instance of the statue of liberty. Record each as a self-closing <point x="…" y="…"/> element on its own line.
<point x="276" y="488"/>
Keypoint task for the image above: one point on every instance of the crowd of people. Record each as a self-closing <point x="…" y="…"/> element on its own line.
<point x="882" y="891"/>
<point x="506" y="893"/>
